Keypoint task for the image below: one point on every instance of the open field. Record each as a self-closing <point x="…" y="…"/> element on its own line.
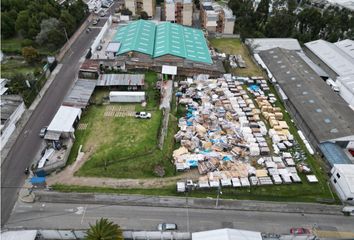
<point x="235" y="46"/>
<point x="14" y="46"/>
<point x="123" y="147"/>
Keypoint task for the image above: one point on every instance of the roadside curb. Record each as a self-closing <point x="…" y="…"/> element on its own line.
<point x="180" y="202"/>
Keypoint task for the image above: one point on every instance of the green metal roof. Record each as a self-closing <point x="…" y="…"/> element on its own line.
<point x="163" y="39"/>
<point x="136" y="36"/>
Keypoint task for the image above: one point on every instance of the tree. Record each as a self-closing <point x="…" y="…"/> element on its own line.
<point x="262" y="11"/>
<point x="50" y="33"/>
<point x="144" y="15"/>
<point x="7" y="25"/>
<point x="280" y="25"/>
<point x="104" y="230"/>
<point x="30" y="54"/>
<point x="21" y="24"/>
<point x="68" y="21"/>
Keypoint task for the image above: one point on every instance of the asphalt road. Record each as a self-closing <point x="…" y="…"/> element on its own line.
<point x="78" y="216"/>
<point x="28" y="142"/>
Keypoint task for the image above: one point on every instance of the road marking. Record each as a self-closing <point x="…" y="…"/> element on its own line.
<point x="151" y="219"/>
<point x="83" y="215"/>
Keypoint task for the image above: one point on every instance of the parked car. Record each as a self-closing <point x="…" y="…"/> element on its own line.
<point x="99" y="47"/>
<point x="166" y="226"/>
<point x="348" y="211"/>
<point x="143" y="115"/>
<point x="300" y="231"/>
<point x="43" y="131"/>
<point x="102" y="14"/>
<point x="94" y="22"/>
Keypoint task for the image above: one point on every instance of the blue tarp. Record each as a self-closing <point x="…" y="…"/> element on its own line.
<point x="37" y="180"/>
<point x="192" y="163"/>
<point x="227" y="158"/>
<point x="334" y="154"/>
<point x="254" y="87"/>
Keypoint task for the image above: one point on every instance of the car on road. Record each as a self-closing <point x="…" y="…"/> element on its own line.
<point x="143" y="115"/>
<point x="166" y="227"/>
<point x="43" y="131"/>
<point x="102" y="14"/>
<point x="94" y="22"/>
<point x="300" y="231"/>
<point x="99" y="48"/>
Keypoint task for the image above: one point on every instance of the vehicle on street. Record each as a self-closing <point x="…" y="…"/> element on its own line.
<point x="102" y="14"/>
<point x="143" y="115"/>
<point x="167" y="226"/>
<point x="43" y="131"/>
<point x="99" y="48"/>
<point x="348" y="211"/>
<point x="300" y="231"/>
<point x="94" y="22"/>
<point x="26" y="171"/>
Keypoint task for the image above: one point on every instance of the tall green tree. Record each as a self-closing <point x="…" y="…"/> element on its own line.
<point x="68" y="21"/>
<point x="22" y="21"/>
<point x="104" y="230"/>
<point x="7" y="25"/>
<point x="280" y="25"/>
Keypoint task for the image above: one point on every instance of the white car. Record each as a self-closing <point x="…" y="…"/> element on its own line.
<point x="166" y="226"/>
<point x="143" y="115"/>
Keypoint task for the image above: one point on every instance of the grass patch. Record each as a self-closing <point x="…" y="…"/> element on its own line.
<point x="124" y="147"/>
<point x="14" y="46"/>
<point x="235" y="46"/>
<point x="12" y="66"/>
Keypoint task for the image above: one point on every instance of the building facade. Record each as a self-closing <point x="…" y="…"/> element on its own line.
<point x="217" y="18"/>
<point x="137" y="6"/>
<point x="179" y="11"/>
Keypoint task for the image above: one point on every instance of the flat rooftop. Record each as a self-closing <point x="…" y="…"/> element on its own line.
<point x="80" y="94"/>
<point x="326" y="114"/>
<point x="262" y="44"/>
<point x="9" y="104"/>
<point x="332" y="56"/>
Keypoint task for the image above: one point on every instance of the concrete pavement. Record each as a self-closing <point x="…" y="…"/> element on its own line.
<point x="180" y="202"/>
<point x="79" y="216"/>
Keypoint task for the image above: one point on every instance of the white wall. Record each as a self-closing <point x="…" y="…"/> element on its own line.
<point x="170" y="11"/>
<point x="7" y="132"/>
<point x="103" y="31"/>
<point x="341" y="186"/>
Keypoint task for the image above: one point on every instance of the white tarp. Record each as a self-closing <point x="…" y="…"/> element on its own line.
<point x="170" y="70"/>
<point x="20" y="234"/>
<point x="113" y="47"/>
<point x="227" y="234"/>
<point x="46" y="155"/>
<point x="116" y="96"/>
<point x="64" y="119"/>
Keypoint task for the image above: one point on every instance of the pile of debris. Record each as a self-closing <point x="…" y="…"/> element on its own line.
<point x="237" y="61"/>
<point x="223" y="136"/>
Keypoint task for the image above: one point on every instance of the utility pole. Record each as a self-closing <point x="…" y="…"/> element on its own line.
<point x="218" y="196"/>
<point x="67" y="38"/>
<point x="187" y="210"/>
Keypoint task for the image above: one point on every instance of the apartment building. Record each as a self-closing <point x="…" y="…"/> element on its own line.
<point x="179" y="11"/>
<point x="216" y="17"/>
<point x="137" y="6"/>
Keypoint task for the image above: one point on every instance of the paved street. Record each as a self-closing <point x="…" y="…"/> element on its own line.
<point x="78" y="216"/>
<point x="28" y="143"/>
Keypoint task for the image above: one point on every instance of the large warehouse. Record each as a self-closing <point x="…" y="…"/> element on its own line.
<point x="320" y="113"/>
<point x="146" y="45"/>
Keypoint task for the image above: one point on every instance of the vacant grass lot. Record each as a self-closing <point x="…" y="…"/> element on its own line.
<point x="12" y="66"/>
<point x="14" y="46"/>
<point x="123" y="147"/>
<point x="235" y="46"/>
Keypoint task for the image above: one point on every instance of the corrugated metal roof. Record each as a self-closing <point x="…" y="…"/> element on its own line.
<point x="262" y="44"/>
<point x="320" y="72"/>
<point x="121" y="80"/>
<point x="332" y="56"/>
<point x="80" y="94"/>
<point x="334" y="154"/>
<point x="346" y="46"/>
<point x="163" y="39"/>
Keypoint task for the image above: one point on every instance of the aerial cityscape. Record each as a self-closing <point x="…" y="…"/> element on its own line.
<point x="177" y="119"/>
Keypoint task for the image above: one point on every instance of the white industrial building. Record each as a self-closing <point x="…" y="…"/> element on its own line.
<point x="347" y="46"/>
<point x="346" y="88"/>
<point x="63" y="123"/>
<point x="342" y="180"/>
<point x="126" y="97"/>
<point x="227" y="234"/>
<point x="261" y="44"/>
<point x="12" y="108"/>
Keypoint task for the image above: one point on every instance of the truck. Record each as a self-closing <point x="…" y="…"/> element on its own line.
<point x="143" y="115"/>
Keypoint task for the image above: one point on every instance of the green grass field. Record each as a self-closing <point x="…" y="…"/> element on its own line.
<point x="124" y="147"/>
<point x="235" y="46"/>
<point x="14" y="46"/>
<point x="11" y="66"/>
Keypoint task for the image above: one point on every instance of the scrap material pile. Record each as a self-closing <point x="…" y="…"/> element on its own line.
<point x="237" y="61"/>
<point x="224" y="137"/>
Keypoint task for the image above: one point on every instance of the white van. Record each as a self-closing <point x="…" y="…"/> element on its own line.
<point x="348" y="210"/>
<point x="332" y="84"/>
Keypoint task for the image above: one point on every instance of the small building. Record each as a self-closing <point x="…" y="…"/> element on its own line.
<point x="80" y="93"/>
<point x="179" y="11"/>
<point x="227" y="234"/>
<point x="12" y="108"/>
<point x="342" y="180"/>
<point x="63" y="124"/>
<point x="89" y="69"/>
<point x="217" y="17"/>
<point x="126" y="97"/>
<point x="137" y="6"/>
<point x="128" y="82"/>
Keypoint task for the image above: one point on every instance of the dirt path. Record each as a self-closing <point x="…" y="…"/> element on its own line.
<point x="67" y="177"/>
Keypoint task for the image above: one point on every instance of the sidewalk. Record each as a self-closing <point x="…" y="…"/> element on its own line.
<point x="180" y="202"/>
